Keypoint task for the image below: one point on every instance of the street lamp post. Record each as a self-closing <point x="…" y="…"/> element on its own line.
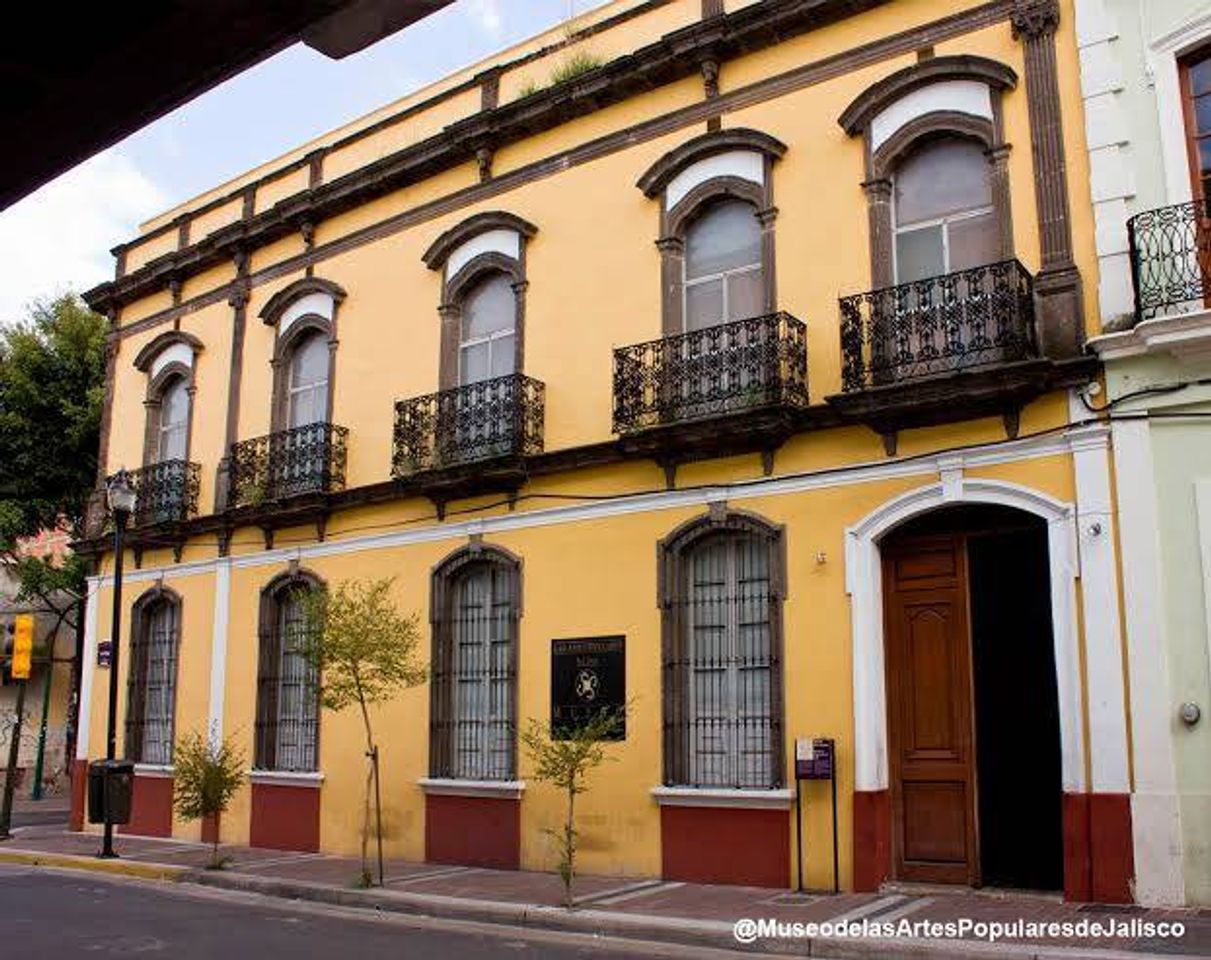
<point x="121" y="496"/>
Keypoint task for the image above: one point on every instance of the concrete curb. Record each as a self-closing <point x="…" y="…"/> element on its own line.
<point x="697" y="933"/>
<point x="142" y="870"/>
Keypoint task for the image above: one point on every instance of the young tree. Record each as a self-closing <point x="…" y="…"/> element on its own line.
<point x="566" y="763"/>
<point x="205" y="778"/>
<point x="364" y="651"/>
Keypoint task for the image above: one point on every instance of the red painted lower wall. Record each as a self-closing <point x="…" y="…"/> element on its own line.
<point x="1111" y="847"/>
<point x="150" y="808"/>
<point x="1077" y="880"/>
<point x="285" y="817"/>
<point x="1099" y="856"/>
<point x="79" y="794"/>
<point x="476" y="831"/>
<point x="725" y="845"/>
<point x="872" y="839"/>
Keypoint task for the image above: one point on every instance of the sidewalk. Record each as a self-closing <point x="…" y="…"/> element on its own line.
<point x="611" y="906"/>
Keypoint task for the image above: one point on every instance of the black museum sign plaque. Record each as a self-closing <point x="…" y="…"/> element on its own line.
<point x="588" y="675"/>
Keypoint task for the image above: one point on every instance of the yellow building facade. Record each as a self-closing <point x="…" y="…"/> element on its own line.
<point x="745" y="335"/>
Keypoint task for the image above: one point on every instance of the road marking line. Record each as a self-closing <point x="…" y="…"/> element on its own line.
<point x="274" y="861"/>
<point x="626" y="888"/>
<point x="883" y="903"/>
<point x="636" y="894"/>
<point x="431" y="875"/>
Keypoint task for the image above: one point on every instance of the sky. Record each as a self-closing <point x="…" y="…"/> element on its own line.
<point x="59" y="238"/>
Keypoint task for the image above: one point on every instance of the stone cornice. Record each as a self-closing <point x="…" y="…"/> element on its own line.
<point x="674" y="57"/>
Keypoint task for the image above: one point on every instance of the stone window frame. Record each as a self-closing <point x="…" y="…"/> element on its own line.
<point x="301" y="328"/>
<point x="442" y="579"/>
<point x="269" y="652"/>
<point x="672" y="552"/>
<point x="455" y="287"/>
<point x="880" y="163"/>
<point x="158" y="384"/>
<point x="141" y="616"/>
<point x="675" y="221"/>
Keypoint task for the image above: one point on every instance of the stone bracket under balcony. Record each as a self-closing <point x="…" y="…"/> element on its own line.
<point x="738" y="387"/>
<point x="1002" y="391"/>
<point x="469" y="440"/>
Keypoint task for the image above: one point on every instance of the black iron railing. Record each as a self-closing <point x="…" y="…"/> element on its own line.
<point x="165" y="492"/>
<point x="1171" y="259"/>
<point x="960" y="321"/>
<point x="730" y="368"/>
<point x="301" y="460"/>
<point x="501" y="417"/>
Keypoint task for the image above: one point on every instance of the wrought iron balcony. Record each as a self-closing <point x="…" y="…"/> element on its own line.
<point x="973" y="319"/>
<point x="488" y="420"/>
<point x="290" y="463"/>
<point x="1171" y="259"/>
<point x="165" y="492"/>
<point x="737" y="367"/>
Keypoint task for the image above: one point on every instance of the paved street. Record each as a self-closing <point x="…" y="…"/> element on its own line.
<point x="56" y="916"/>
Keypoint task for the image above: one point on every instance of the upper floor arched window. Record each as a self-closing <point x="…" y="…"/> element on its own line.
<point x="488" y="338"/>
<point x="716" y="228"/>
<point x="945" y="217"/>
<point x="482" y="261"/>
<point x="724" y="271"/>
<point x="304" y="318"/>
<point x="936" y="171"/>
<point x="307" y="388"/>
<point x="169" y="361"/>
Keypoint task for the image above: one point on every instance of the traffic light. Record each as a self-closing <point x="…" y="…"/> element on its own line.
<point x="23" y="646"/>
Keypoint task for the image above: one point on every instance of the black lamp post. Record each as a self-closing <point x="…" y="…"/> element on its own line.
<point x="121" y="496"/>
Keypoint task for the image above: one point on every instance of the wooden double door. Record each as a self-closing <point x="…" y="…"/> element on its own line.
<point x="972" y="714"/>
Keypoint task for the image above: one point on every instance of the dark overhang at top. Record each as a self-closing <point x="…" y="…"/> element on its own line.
<point x="77" y="79"/>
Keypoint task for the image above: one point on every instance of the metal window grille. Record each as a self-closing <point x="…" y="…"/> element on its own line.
<point x="726" y="670"/>
<point x="151" y="685"/>
<point x="474" y="676"/>
<point x="288" y="690"/>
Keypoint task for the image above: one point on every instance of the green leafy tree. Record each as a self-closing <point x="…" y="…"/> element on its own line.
<point x="52" y="389"/>
<point x="205" y="778"/>
<point x="565" y="762"/>
<point x="364" y="652"/>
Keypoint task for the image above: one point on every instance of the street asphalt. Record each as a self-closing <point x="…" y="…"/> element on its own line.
<point x="57" y="915"/>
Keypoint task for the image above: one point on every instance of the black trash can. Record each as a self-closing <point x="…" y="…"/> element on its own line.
<point x="110" y="788"/>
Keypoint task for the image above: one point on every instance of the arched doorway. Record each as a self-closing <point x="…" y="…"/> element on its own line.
<point x="973" y="716"/>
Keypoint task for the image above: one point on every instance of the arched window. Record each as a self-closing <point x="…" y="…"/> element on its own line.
<point x="307" y="388"/>
<point x="945" y="219"/>
<point x="722" y="601"/>
<point x="482" y="261"/>
<point x="168" y="361"/>
<point x="716" y="195"/>
<point x="172" y="426"/>
<point x="724" y="277"/>
<point x="287" y="736"/>
<point x="304" y="318"/>
<point x="151" y="682"/>
<point x="476" y="600"/>
<point x="488" y="341"/>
